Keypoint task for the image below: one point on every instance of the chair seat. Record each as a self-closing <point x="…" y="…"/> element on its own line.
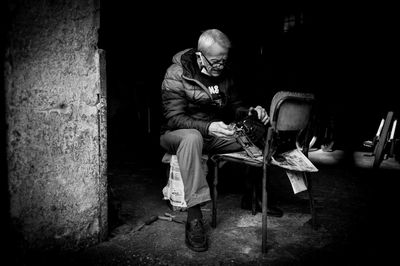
<point x="239" y="157"/>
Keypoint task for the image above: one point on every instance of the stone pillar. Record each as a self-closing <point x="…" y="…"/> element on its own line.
<point x="55" y="124"/>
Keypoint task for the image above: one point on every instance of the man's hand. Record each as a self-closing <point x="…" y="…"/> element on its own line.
<point x="261" y="114"/>
<point x="220" y="129"/>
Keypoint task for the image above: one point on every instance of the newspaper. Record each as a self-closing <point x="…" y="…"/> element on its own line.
<point x="296" y="178"/>
<point x="295" y="163"/>
<point x="293" y="160"/>
<point x="243" y="155"/>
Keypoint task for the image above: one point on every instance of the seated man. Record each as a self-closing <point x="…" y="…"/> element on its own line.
<point x="199" y="99"/>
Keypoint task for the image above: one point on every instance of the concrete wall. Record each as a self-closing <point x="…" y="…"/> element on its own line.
<point x="56" y="160"/>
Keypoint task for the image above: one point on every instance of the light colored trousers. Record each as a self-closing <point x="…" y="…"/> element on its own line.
<point x="189" y="145"/>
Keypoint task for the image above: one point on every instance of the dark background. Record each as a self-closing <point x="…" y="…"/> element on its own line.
<point x="345" y="54"/>
<point x="342" y="53"/>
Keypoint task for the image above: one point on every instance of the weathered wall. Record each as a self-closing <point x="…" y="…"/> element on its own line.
<point x="56" y="180"/>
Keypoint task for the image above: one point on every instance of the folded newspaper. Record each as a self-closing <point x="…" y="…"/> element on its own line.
<point x="296" y="179"/>
<point x="293" y="160"/>
<point x="295" y="163"/>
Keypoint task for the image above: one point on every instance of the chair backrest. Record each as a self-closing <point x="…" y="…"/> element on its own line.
<point x="291" y="111"/>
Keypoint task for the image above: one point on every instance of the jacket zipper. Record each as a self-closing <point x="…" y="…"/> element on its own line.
<point x="200" y="84"/>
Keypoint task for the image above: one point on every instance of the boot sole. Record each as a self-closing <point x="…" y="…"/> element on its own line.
<point x="197" y="249"/>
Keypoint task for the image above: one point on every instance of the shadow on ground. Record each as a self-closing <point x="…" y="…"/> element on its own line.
<point x="355" y="207"/>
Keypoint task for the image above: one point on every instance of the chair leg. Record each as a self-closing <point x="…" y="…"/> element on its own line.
<point x="253" y="197"/>
<point x="311" y="198"/>
<point x="264" y="210"/>
<point x="214" y="196"/>
<point x="253" y="190"/>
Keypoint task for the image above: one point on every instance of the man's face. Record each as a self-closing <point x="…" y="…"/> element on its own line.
<point x="215" y="59"/>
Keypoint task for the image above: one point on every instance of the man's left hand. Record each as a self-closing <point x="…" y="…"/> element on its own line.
<point x="261" y="114"/>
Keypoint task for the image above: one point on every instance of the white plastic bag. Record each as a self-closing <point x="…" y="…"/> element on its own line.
<point x="174" y="191"/>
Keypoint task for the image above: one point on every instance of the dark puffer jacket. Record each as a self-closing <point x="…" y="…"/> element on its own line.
<point x="187" y="103"/>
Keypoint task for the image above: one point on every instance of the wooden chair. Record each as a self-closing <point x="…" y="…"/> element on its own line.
<point x="291" y="113"/>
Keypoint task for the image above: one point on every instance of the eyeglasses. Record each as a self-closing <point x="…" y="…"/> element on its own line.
<point x="217" y="63"/>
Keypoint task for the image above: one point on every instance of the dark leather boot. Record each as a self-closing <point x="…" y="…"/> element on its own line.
<point x="195" y="236"/>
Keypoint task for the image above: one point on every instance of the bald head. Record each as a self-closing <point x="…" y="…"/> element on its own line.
<point x="211" y="37"/>
<point x="213" y="48"/>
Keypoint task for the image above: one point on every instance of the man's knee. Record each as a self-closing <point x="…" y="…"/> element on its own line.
<point x="193" y="136"/>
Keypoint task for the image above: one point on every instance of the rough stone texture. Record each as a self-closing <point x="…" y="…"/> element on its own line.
<point x="56" y="182"/>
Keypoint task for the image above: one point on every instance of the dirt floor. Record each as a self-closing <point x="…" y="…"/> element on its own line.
<point x="355" y="204"/>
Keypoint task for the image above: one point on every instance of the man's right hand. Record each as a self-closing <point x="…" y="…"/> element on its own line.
<point x="220" y="129"/>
